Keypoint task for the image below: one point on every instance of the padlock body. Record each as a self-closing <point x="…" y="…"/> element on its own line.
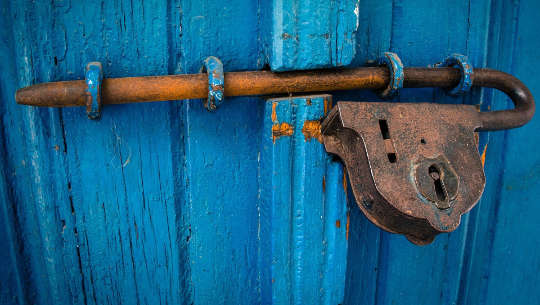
<point x="414" y="168"/>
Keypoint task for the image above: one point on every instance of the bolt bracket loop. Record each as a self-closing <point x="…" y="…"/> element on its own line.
<point x="395" y="67"/>
<point x="462" y="63"/>
<point x="93" y="78"/>
<point x="214" y="68"/>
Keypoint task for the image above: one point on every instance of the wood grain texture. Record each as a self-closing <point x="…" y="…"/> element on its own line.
<point x="300" y="35"/>
<point x="456" y="268"/>
<point x="303" y="208"/>
<point x="165" y="203"/>
<point x="503" y="256"/>
<point x="96" y="228"/>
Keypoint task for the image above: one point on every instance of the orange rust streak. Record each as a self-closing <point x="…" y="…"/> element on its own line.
<point x="347" y="226"/>
<point x="283" y="129"/>
<point x="483" y="157"/>
<point x="312" y="129"/>
<point x="327" y="102"/>
<point x="274" y="114"/>
<point x="338" y="223"/>
<point x="323" y="184"/>
<point x="345" y="181"/>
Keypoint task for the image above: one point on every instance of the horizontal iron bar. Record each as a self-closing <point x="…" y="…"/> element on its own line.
<point x="195" y="86"/>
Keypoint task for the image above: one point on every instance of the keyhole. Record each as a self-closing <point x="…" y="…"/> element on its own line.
<point x="440" y="190"/>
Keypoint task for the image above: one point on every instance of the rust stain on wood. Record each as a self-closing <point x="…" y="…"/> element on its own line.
<point x="347" y="226"/>
<point x="312" y="129"/>
<point x="483" y="157"/>
<point x="327" y="105"/>
<point x="345" y="181"/>
<point x="323" y="184"/>
<point x="338" y="223"/>
<point x="283" y="129"/>
<point x="274" y="114"/>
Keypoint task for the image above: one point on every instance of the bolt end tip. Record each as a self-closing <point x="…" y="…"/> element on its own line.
<point x="21" y="97"/>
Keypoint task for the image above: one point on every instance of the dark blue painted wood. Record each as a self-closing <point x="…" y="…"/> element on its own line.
<point x="168" y="203"/>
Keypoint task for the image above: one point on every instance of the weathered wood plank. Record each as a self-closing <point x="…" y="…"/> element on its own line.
<point x="303" y="207"/>
<point x="99" y="228"/>
<point x="167" y="203"/>
<point x="299" y="35"/>
<point x="221" y="157"/>
<point x="504" y="259"/>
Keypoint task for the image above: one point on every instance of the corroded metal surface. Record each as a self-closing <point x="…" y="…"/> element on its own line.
<point x="414" y="168"/>
<point x="192" y="86"/>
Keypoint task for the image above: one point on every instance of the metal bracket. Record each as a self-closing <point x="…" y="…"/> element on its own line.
<point x="93" y="79"/>
<point x="214" y="68"/>
<point x="395" y="67"/>
<point x="462" y="63"/>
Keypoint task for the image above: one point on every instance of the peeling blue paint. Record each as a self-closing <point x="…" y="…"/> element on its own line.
<point x="462" y="63"/>
<point x="395" y="67"/>
<point x="93" y="78"/>
<point x="214" y="68"/>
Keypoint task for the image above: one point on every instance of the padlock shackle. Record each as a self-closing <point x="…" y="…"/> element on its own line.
<point x="520" y="95"/>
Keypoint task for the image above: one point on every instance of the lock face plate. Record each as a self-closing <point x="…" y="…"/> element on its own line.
<point x="414" y="168"/>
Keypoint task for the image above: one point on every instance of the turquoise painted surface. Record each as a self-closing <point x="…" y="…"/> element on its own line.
<point x="168" y="203"/>
<point x="303" y="213"/>
<point x="464" y="267"/>
<point x="300" y="34"/>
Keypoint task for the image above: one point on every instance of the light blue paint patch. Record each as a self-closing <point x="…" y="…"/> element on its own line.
<point x="93" y="78"/>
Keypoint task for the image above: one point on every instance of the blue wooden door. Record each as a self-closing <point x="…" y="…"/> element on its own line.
<point x="166" y="203"/>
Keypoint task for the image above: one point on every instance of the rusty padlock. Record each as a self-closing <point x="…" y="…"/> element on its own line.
<point x="415" y="168"/>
